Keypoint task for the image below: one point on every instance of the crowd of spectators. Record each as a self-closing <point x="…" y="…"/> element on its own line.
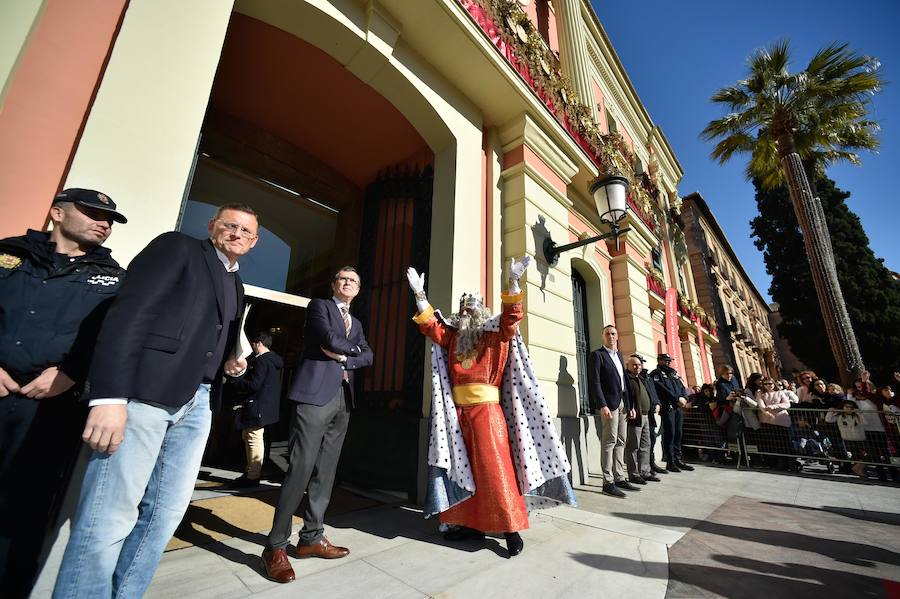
<point x="784" y="423"/>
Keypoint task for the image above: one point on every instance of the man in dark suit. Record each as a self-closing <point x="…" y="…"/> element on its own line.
<point x="334" y="347"/>
<point x="260" y="405"/>
<point x="156" y="372"/>
<point x="610" y="398"/>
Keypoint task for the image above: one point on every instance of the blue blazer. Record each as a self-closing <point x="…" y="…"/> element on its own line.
<point x="319" y="377"/>
<point x="604" y="383"/>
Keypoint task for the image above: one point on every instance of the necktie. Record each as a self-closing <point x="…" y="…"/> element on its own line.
<point x="347" y="323"/>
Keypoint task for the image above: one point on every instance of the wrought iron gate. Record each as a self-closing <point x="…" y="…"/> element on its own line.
<point x="382" y="442"/>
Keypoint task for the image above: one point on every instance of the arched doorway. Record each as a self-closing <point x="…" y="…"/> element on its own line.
<point x="290" y="131"/>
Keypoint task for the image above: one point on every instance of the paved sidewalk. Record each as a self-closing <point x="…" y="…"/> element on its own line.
<point x="606" y="547"/>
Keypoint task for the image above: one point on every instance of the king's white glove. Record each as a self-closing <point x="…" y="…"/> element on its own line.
<point x="417" y="285"/>
<point x="516" y="270"/>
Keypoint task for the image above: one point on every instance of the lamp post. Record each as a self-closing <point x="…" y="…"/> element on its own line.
<point x="610" y="197"/>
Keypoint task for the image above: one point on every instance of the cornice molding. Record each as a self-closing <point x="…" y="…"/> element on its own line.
<point x="525" y="131"/>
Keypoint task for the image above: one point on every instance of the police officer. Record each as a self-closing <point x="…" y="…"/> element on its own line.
<point x="54" y="290"/>
<point x="672" y="398"/>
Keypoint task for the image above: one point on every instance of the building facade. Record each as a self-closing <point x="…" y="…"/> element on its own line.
<point x="449" y="135"/>
<point x="728" y="295"/>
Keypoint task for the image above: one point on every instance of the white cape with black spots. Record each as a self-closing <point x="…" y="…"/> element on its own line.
<point x="538" y="457"/>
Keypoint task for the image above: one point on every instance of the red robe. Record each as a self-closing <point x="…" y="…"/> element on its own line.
<point x="498" y="504"/>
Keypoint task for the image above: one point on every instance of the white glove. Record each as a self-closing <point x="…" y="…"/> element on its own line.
<point x="416" y="280"/>
<point x="516" y="270"/>
<point x="417" y="285"/>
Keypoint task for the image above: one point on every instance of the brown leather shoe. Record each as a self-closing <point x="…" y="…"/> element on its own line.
<point x="321" y="548"/>
<point x="278" y="568"/>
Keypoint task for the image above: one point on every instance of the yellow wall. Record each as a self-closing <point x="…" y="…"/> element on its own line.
<point x="141" y="135"/>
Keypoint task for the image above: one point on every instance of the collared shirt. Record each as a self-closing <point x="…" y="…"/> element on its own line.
<point x="340" y="305"/>
<point x="614" y="354"/>
<point x="229" y="267"/>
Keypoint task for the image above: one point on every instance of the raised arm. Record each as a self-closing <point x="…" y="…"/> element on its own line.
<point x="428" y="323"/>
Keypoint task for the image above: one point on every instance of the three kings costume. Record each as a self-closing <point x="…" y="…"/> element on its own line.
<point x="494" y="454"/>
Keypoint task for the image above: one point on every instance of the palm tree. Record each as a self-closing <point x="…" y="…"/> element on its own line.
<point x="791" y="123"/>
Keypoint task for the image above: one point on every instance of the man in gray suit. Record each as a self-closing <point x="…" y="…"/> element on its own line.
<point x="334" y="347"/>
<point x="610" y="398"/>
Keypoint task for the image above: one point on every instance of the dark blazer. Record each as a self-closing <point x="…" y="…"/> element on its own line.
<point x="260" y="390"/>
<point x="318" y="378"/>
<point x="654" y="398"/>
<point x="164" y="325"/>
<point x="604" y="383"/>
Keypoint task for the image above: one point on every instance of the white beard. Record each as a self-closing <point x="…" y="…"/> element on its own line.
<point x="469" y="328"/>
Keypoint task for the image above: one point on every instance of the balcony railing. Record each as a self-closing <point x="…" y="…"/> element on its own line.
<point x="514" y="36"/>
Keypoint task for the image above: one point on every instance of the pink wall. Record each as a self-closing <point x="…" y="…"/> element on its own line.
<point x="600" y="100"/>
<point x="526" y="154"/>
<point x="47" y="104"/>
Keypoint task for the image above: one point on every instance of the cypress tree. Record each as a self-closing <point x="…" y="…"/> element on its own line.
<point x="871" y="293"/>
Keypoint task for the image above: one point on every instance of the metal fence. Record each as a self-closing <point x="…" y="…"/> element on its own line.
<point x="795" y="438"/>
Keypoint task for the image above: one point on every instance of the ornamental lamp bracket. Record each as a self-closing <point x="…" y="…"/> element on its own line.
<point x="610" y="195"/>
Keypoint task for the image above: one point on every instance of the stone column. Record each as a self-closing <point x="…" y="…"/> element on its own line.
<point x="573" y="53"/>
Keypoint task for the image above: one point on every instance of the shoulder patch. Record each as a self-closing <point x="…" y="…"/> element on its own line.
<point x="9" y="261"/>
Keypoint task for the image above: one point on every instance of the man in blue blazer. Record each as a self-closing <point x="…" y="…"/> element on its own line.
<point x="334" y="347"/>
<point x="610" y="398"/>
<point x="154" y="380"/>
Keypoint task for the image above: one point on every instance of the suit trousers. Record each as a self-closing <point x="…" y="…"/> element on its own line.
<point x="672" y="420"/>
<point x="612" y="439"/>
<point x="317" y="435"/>
<point x="637" y="448"/>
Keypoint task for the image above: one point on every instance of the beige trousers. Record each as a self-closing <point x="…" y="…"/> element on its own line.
<point x="256" y="450"/>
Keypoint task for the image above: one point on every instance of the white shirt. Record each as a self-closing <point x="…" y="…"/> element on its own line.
<point x="614" y="354"/>
<point x="226" y="262"/>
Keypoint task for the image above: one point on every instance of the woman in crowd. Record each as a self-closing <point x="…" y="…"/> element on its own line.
<point x="862" y="388"/>
<point x="804" y="380"/>
<point x="775" y="421"/>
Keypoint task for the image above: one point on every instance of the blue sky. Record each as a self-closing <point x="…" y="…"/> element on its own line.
<point x="678" y="53"/>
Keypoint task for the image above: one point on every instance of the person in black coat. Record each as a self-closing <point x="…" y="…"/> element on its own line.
<point x="154" y="381"/>
<point x="260" y="404"/>
<point x="672" y="398"/>
<point x="653" y="417"/>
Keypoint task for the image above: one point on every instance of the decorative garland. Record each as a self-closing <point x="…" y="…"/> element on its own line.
<point x="511" y="31"/>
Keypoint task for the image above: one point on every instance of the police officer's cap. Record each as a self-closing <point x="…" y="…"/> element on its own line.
<point x="664" y="358"/>
<point x="91" y="199"/>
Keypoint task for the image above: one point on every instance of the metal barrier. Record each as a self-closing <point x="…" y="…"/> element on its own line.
<point x="794" y="438"/>
<point x="722" y="443"/>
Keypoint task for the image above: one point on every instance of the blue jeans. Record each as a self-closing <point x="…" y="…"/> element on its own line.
<point x="133" y="500"/>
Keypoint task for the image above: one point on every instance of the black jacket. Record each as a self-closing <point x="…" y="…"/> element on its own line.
<point x="51" y="306"/>
<point x="668" y="387"/>
<point x="163" y="327"/>
<point x="654" y="399"/>
<point x="260" y="391"/>
<point x="604" y="384"/>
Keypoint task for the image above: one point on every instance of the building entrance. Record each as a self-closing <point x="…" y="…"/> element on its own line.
<point x="338" y="177"/>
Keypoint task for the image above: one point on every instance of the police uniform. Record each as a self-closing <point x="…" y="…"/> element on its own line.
<point x="668" y="389"/>
<point x="51" y="308"/>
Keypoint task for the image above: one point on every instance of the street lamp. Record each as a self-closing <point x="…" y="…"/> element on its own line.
<point x="610" y="197"/>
